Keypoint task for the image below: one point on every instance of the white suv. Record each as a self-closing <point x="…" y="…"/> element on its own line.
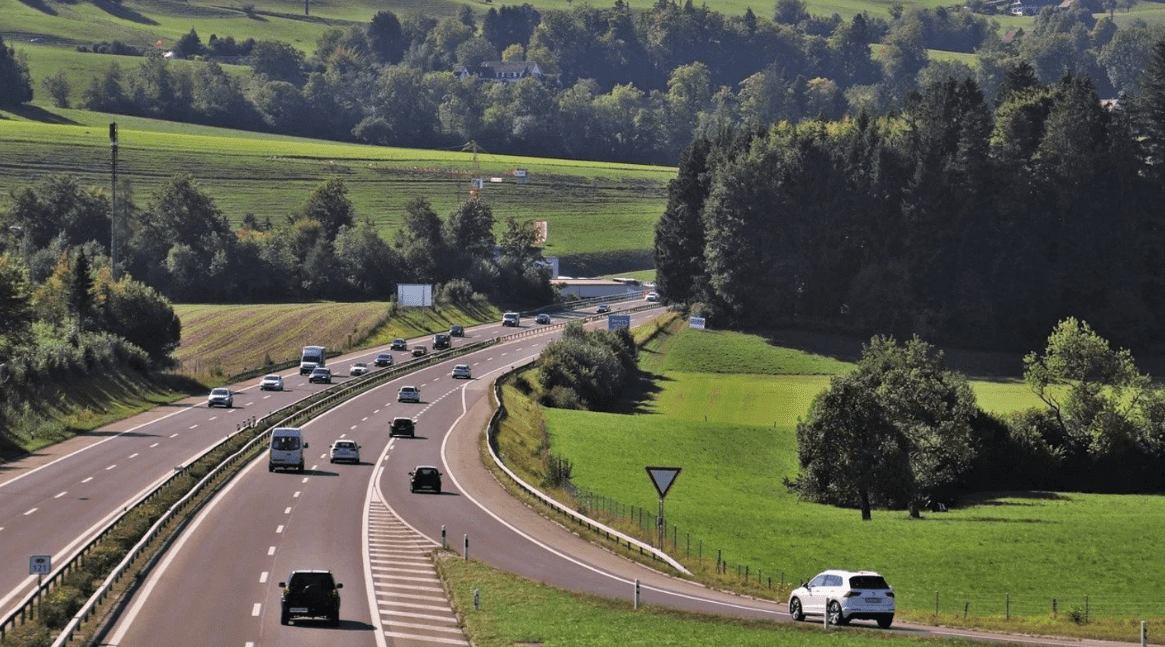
<point x="845" y="596"/>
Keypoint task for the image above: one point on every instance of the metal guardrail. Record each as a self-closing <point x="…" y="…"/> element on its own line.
<point x="293" y="414"/>
<point x="579" y="518"/>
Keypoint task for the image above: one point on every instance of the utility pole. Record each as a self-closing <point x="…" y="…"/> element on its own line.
<point x="113" y="201"/>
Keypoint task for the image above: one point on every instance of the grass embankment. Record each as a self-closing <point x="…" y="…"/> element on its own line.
<point x="217" y="342"/>
<point x="1026" y="549"/>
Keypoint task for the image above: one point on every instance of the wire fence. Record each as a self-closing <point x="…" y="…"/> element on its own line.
<point x="694" y="551"/>
<point x="681" y="544"/>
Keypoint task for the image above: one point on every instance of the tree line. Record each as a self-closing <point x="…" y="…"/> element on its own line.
<point x="904" y="432"/>
<point x="622" y="85"/>
<point x="967" y="223"/>
<point x="181" y="244"/>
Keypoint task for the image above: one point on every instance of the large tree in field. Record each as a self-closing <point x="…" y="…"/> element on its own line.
<point x="1094" y="393"/>
<point x="895" y="432"/>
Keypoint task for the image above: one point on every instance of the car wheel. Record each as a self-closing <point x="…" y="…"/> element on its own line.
<point x="270" y="468"/>
<point x="437" y="490"/>
<point x="835" y="617"/>
<point x="332" y="461"/>
<point x="301" y="468"/>
<point x="334" y="619"/>
<point x="885" y="621"/>
<point x="795" y="610"/>
<point x="284" y="618"/>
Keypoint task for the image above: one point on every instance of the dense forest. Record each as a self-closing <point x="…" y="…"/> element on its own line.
<point x="617" y="84"/>
<point x="966" y="222"/>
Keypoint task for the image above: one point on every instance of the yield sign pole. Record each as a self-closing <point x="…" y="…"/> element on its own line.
<point x="662" y="478"/>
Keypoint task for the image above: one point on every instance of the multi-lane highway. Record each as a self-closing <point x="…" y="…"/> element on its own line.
<point x="220" y="581"/>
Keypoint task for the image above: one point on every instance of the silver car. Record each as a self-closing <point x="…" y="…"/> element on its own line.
<point x="408" y="394"/>
<point x="271" y="383"/>
<point x="345" y="450"/>
<point x="462" y="371"/>
<point x="220" y="398"/>
<point x="843" y="596"/>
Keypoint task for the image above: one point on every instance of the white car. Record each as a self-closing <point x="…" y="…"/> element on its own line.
<point x="345" y="450"/>
<point x="603" y="307"/>
<point x="359" y="368"/>
<point x="408" y="394"/>
<point x="462" y="370"/>
<point x="271" y="383"/>
<point x="845" y="596"/>
<point x="220" y="398"/>
<point x="651" y="296"/>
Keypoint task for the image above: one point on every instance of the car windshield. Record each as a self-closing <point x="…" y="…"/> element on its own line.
<point x="426" y="471"/>
<point x="868" y="582"/>
<point x="285" y="443"/>
<point x="300" y="581"/>
<point x="219" y="392"/>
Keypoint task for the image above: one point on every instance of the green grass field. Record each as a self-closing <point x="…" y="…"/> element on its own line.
<point x="592" y="208"/>
<point x="733" y="435"/>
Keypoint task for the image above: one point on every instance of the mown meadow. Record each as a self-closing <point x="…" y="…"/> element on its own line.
<point x="594" y="210"/>
<point x="731" y="427"/>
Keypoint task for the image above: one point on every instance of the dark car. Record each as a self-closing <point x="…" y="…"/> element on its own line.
<point x="440" y="340"/>
<point x="542" y="319"/>
<point x="456" y="330"/>
<point x="310" y="594"/>
<point x="321" y="375"/>
<point x="399" y="344"/>
<point x="403" y="427"/>
<point x="425" y="477"/>
<point x="383" y="359"/>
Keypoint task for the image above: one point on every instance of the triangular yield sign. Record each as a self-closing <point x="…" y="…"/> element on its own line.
<point x="662" y="478"/>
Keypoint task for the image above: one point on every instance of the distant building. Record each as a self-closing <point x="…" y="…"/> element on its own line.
<point x="505" y="72"/>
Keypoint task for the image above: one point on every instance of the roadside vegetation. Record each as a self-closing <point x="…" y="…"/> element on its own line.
<point x="1000" y="557"/>
<point x="516" y="611"/>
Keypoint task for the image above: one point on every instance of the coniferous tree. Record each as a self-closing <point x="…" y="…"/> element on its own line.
<point x="15" y="81"/>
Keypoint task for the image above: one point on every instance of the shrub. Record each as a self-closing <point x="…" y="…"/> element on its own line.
<point x="59" y="606"/>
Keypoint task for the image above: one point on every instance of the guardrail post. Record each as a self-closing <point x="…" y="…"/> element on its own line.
<point x="636" y="593"/>
<point x="466" y="546"/>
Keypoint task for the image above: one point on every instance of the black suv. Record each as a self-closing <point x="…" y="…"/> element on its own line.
<point x="425" y="477"/>
<point x="399" y="344"/>
<point x="456" y="330"/>
<point x="310" y="594"/>
<point x="403" y="427"/>
<point x="440" y="340"/>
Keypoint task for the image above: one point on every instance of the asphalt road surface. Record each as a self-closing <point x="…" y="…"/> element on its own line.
<point x="219" y="583"/>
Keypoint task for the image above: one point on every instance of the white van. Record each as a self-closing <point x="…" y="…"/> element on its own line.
<point x="511" y="319"/>
<point x="287" y="447"/>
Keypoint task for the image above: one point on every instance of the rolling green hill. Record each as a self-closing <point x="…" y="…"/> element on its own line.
<point x="600" y="216"/>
